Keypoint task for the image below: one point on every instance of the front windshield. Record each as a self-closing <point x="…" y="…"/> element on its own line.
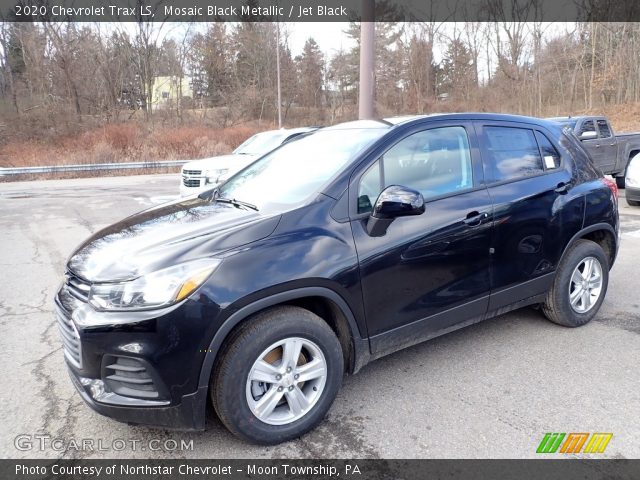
<point x="261" y="143"/>
<point x="298" y="170"/>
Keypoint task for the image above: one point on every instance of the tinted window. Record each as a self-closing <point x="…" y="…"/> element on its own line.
<point x="513" y="153"/>
<point x="587" y="126"/>
<point x="300" y="169"/>
<point x="434" y="162"/>
<point x="369" y="188"/>
<point x="603" y="126"/>
<point x="550" y="155"/>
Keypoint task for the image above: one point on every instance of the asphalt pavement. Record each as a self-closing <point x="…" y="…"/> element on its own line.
<point x="491" y="390"/>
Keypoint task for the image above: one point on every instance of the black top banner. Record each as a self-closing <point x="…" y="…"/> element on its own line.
<point x="319" y="10"/>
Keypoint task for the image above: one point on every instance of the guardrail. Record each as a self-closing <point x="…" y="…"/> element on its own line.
<point x="90" y="167"/>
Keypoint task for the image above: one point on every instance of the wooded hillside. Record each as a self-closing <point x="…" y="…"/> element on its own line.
<point x="79" y="87"/>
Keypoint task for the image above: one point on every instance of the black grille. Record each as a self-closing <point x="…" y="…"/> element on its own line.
<point x="191" y="182"/>
<point x="68" y="302"/>
<point x="192" y="172"/>
<point x="129" y="377"/>
<point x="77" y="287"/>
<point x="70" y="337"/>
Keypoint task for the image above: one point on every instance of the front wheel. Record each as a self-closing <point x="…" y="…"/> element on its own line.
<point x="620" y="182"/>
<point x="579" y="287"/>
<point x="277" y="375"/>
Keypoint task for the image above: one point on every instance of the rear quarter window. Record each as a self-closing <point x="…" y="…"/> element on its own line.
<point x="550" y="156"/>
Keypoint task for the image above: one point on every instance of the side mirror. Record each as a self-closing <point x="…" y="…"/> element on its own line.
<point x="588" y="135"/>
<point x="394" y="201"/>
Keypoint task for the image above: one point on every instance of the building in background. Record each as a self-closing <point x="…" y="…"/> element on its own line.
<point x="168" y="89"/>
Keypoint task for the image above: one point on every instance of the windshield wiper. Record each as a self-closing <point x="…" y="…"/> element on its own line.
<point x="214" y="196"/>
<point x="235" y="203"/>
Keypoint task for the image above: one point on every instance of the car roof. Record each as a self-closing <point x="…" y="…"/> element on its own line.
<point x="576" y="118"/>
<point x="300" y="129"/>
<point x="292" y="131"/>
<point x="398" y="121"/>
<point x="504" y="117"/>
<point x="360" y="124"/>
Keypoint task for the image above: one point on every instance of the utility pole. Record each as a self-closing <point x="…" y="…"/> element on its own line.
<point x="367" y="66"/>
<point x="278" y="69"/>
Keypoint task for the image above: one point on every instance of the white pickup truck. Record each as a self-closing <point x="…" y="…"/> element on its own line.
<point x="205" y="174"/>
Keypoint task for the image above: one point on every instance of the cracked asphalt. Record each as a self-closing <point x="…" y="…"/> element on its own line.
<point x="488" y="391"/>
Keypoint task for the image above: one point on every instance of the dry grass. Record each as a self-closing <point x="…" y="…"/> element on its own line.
<point x="125" y="142"/>
<point x="140" y="141"/>
<point x="101" y="173"/>
<point x="623" y="118"/>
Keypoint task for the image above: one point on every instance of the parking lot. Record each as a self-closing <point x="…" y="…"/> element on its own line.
<point x="490" y="390"/>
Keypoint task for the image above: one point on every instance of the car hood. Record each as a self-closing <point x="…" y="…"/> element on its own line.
<point x="166" y="235"/>
<point x="231" y="161"/>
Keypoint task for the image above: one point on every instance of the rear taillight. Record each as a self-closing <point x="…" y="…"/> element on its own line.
<point x="612" y="185"/>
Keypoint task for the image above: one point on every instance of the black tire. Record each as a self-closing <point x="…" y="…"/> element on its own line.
<point x="557" y="307"/>
<point x="633" y="203"/>
<point x="620" y="182"/>
<point x="229" y="379"/>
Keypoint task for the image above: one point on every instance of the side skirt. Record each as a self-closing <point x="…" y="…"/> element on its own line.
<point x="534" y="291"/>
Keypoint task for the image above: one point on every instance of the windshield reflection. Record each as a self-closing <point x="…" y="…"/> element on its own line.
<point x="298" y="170"/>
<point x="260" y="143"/>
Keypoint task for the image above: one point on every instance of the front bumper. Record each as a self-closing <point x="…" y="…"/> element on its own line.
<point x="186" y="191"/>
<point x="145" y="371"/>
<point x="196" y="184"/>
<point x="632" y="193"/>
<point x="187" y="415"/>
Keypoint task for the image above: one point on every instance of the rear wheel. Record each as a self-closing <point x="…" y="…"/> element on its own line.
<point x="633" y="203"/>
<point x="620" y="182"/>
<point x="277" y="375"/>
<point x="579" y="287"/>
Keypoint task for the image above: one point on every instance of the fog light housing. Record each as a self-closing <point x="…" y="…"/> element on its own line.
<point x="96" y="387"/>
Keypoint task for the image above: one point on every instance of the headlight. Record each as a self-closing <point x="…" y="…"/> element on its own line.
<point x="154" y="290"/>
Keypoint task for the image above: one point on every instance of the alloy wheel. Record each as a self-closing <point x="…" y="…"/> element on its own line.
<point x="585" y="285"/>
<point x="286" y="381"/>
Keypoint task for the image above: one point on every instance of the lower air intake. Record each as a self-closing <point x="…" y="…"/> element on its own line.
<point x="129" y="377"/>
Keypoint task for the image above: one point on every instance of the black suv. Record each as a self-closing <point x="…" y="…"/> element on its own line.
<point x="329" y="252"/>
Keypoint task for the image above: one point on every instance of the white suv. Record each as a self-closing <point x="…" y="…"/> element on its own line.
<point x="205" y="174"/>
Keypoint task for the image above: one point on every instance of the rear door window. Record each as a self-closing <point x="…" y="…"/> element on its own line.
<point x="603" y="126"/>
<point x="512" y="153"/>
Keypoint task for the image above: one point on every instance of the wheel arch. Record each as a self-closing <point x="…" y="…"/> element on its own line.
<point x="632" y="151"/>
<point x="601" y="233"/>
<point x="322" y="301"/>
